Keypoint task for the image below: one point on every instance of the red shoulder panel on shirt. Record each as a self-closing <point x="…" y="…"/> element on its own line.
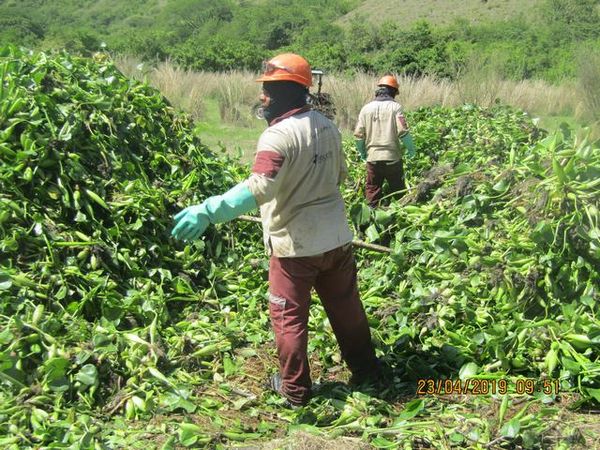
<point x="267" y="163"/>
<point x="402" y="121"/>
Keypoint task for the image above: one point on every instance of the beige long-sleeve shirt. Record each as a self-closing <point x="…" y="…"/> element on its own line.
<point x="298" y="168"/>
<point x="380" y="123"/>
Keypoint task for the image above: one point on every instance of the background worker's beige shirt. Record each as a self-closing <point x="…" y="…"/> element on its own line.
<point x="297" y="188"/>
<point x="381" y="123"/>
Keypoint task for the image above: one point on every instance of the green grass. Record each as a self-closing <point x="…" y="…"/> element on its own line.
<point x="577" y="127"/>
<point x="436" y="12"/>
<point x="552" y="123"/>
<point x="229" y="138"/>
<point x="240" y="141"/>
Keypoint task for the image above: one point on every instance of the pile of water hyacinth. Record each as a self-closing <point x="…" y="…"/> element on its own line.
<point x="112" y="335"/>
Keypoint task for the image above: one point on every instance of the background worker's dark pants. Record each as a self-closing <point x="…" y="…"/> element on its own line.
<point x="377" y="173"/>
<point x="333" y="275"/>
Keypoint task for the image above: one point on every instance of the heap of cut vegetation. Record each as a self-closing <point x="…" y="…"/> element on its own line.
<point x="93" y="165"/>
<point x="112" y="335"/>
<point x="496" y="251"/>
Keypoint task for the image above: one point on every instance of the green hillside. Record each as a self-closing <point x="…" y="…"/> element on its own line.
<point x="520" y="40"/>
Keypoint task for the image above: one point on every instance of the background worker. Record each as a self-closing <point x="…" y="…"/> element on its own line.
<point x="297" y="171"/>
<point x="380" y="128"/>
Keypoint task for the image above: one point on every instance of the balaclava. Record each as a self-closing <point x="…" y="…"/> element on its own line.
<point x="283" y="96"/>
<point x="385" y="92"/>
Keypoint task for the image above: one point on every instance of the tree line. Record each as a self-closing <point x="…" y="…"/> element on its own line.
<point x="239" y="34"/>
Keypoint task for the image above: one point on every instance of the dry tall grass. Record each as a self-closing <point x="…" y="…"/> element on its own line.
<point x="351" y="93"/>
<point x="185" y="89"/>
<point x="533" y="96"/>
<point x="236" y="92"/>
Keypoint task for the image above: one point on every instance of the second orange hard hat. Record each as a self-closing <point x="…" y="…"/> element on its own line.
<point x="388" y="80"/>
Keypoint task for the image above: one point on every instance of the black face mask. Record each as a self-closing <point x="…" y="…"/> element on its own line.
<point x="283" y="97"/>
<point x="386" y="92"/>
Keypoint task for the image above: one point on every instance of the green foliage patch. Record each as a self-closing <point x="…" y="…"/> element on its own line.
<point x="92" y="167"/>
<point x="496" y="249"/>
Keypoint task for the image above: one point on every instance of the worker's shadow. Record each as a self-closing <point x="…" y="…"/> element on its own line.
<point x="404" y="375"/>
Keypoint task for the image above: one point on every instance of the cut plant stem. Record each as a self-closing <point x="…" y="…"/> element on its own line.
<point x="355" y="242"/>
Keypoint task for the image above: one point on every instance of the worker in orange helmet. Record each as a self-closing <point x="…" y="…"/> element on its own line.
<point x="382" y="138"/>
<point x="297" y="172"/>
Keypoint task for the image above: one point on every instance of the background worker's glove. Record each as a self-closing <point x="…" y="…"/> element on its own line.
<point x="191" y="222"/>
<point x="360" y="147"/>
<point x="407" y="140"/>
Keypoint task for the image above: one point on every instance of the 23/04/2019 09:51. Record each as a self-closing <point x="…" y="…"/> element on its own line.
<point x="476" y="386"/>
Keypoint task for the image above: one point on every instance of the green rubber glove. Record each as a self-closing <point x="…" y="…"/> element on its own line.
<point x="407" y="140"/>
<point x="191" y="222"/>
<point x="360" y="147"/>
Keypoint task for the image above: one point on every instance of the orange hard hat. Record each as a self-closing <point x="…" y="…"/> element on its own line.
<point x="388" y="80"/>
<point x="287" y="67"/>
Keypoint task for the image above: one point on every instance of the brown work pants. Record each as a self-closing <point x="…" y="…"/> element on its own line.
<point x="377" y="173"/>
<point x="333" y="275"/>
